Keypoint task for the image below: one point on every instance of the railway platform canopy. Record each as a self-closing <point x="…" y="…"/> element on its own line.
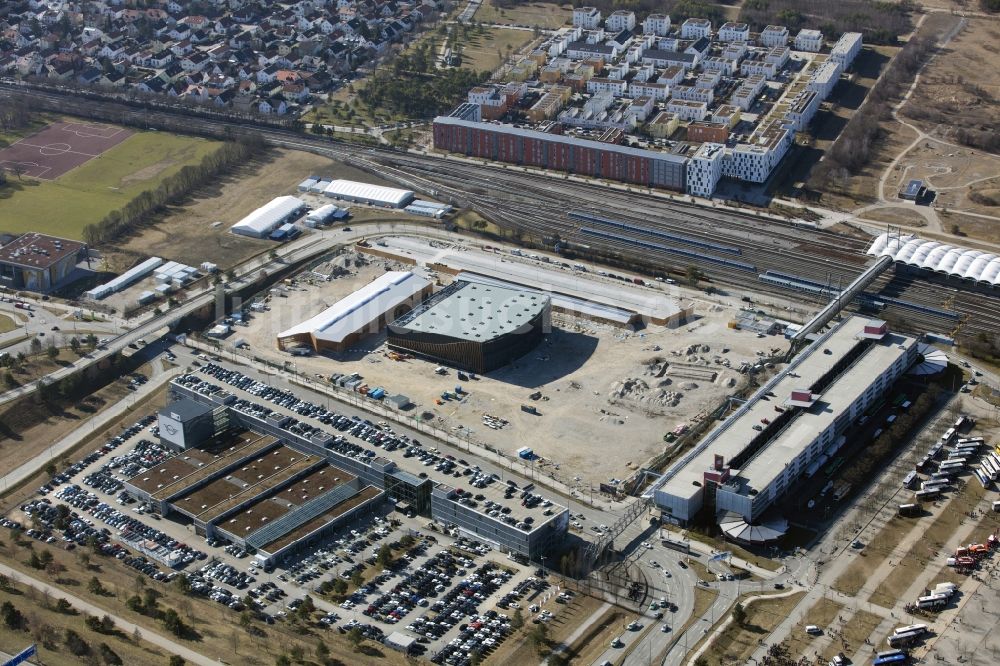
<point x="966" y="263"/>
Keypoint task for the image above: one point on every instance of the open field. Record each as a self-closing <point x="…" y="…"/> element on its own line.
<point x="822" y="614"/>
<point x="735" y="549"/>
<point x="928" y="549"/>
<point x="903" y="214"/>
<point x="737" y="642"/>
<point x="89" y="192"/>
<point x="579" y="370"/>
<point x="7" y="324"/>
<point x="973" y="227"/>
<point x="487" y="52"/>
<point x="853" y="634"/>
<point x="45" y="621"/>
<point x="190" y="233"/>
<point x="875" y="553"/>
<point x="959" y="89"/>
<point x="534" y="14"/>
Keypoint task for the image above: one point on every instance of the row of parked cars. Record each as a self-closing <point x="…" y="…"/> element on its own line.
<point x="227" y="573"/>
<point x="75" y="468"/>
<point x="413" y="591"/>
<point x="482" y="634"/>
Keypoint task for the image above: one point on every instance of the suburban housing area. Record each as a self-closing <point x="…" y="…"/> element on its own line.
<point x="678" y="107"/>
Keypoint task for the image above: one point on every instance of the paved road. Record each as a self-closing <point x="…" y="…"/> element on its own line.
<point x="124" y="625"/>
<point x="105" y="417"/>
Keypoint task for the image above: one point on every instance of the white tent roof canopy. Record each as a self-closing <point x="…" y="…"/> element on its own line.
<point x="940" y="257"/>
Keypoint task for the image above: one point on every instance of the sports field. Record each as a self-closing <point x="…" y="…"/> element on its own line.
<point x="102" y="182"/>
<point x="59" y="148"/>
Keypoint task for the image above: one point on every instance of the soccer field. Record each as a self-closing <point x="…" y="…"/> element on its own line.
<point x="63" y="207"/>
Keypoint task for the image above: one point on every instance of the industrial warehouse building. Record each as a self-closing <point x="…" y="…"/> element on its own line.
<point x="365" y="311"/>
<point x="258" y="482"/>
<point x="805" y="411"/>
<point x="366" y="193"/>
<point x="270" y="216"/>
<point x="516" y="145"/>
<point x="36" y="262"/>
<point x="474" y="326"/>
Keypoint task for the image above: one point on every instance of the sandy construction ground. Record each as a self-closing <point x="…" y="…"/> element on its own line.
<point x="608" y="395"/>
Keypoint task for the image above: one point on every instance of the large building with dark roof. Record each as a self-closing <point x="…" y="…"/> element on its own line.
<point x="36" y="262"/>
<point x="474" y="326"/>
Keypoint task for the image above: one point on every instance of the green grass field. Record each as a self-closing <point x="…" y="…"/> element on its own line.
<point x="63" y="207"/>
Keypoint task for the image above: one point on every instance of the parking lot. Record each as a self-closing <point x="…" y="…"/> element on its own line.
<point x="451" y="594"/>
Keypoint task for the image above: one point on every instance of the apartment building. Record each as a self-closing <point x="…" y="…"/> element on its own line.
<point x="657" y="91"/>
<point x="704" y="169"/>
<point x="754" y="161"/>
<point x="588" y="18"/>
<point x="734" y="32"/>
<point x="802" y="108"/>
<point x="825" y="78"/>
<point x="809" y="40"/>
<point x="620" y="20"/>
<point x="616" y="87"/>
<point x="687" y="110"/>
<point x="846" y="49"/>
<point x="696" y="28"/>
<point x="774" y="35"/>
<point x="656" y="24"/>
<point x="693" y="94"/>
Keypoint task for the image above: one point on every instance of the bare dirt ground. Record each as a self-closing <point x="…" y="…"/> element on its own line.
<point x="599" y="384"/>
<point x="192" y="233"/>
<point x="954" y="174"/>
<point x="959" y="88"/>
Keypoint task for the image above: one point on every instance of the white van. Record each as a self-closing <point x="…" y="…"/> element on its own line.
<point x="813" y="629"/>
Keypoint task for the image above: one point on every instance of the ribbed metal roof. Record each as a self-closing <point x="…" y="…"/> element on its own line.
<point x="939" y="257"/>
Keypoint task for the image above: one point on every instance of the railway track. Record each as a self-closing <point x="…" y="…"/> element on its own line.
<point x="539" y="204"/>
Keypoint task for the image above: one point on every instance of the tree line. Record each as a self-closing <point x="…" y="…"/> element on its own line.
<point x="172" y="190"/>
<point x="853" y="148"/>
<point x="880" y="22"/>
<point x="419" y="95"/>
<point x="15" y="113"/>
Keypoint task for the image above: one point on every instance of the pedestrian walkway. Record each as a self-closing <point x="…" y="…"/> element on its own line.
<point x="101" y="420"/>
<point x="124" y="625"/>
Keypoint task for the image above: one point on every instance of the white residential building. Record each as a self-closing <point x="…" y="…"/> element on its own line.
<point x="620" y="20"/>
<point x="657" y="91"/>
<point x="778" y="55"/>
<point x="766" y="69"/>
<point x="801" y="109"/>
<point x="743" y="97"/>
<point x="774" y="35"/>
<point x="672" y="75"/>
<point x="708" y="79"/>
<point x="825" y="78"/>
<point x="693" y="94"/>
<point x="735" y="51"/>
<point x="723" y="66"/>
<point x="615" y="87"/>
<point x="656" y="24"/>
<point x="694" y="28"/>
<point x="734" y="32"/>
<point x="687" y="110"/>
<point x="588" y="18"/>
<point x="846" y="48"/>
<point x="704" y="169"/>
<point x="754" y="161"/>
<point x="809" y="40"/>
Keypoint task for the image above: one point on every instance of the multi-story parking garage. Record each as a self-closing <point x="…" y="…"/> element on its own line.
<point x="789" y="428"/>
<point x="473" y="326"/>
<point x="276" y="482"/>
